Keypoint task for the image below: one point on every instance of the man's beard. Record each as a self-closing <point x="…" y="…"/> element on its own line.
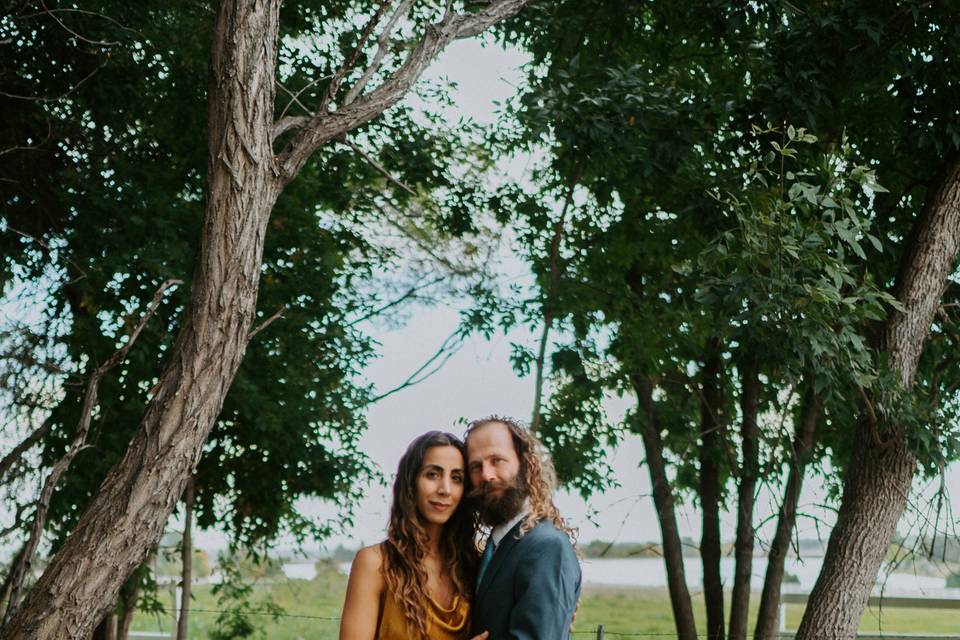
<point x="495" y="510"/>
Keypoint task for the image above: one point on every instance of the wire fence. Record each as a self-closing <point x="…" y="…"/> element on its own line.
<point x="600" y="632"/>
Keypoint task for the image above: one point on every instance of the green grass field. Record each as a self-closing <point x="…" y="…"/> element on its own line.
<point x="312" y="608"/>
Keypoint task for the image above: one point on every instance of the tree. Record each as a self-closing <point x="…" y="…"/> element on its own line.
<point x="659" y="109"/>
<point x="246" y="175"/>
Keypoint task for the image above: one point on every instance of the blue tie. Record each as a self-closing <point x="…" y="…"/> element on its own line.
<point x="486" y="558"/>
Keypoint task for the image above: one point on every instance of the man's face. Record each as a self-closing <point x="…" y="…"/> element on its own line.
<point x="494" y="469"/>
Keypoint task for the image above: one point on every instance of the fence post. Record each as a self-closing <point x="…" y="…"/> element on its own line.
<point x="601" y="632"/>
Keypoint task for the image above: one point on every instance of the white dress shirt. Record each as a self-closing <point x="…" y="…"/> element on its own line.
<point x="502" y="530"/>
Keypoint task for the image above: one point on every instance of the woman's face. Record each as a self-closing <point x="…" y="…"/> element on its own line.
<point x="440" y="483"/>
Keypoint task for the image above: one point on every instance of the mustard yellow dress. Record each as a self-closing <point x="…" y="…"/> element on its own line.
<point x="442" y="624"/>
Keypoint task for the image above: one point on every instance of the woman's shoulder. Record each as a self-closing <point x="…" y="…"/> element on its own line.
<point x="369" y="559"/>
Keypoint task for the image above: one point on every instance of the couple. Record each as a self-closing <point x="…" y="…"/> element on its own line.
<point x="427" y="580"/>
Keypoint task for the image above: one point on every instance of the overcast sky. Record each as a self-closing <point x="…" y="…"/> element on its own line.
<point x="479" y="380"/>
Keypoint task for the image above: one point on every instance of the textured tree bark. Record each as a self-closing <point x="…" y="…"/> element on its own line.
<point x="126" y="518"/>
<point x="663" y="501"/>
<point x="880" y="475"/>
<point x="743" y="547"/>
<point x="803" y="443"/>
<point x="186" y="561"/>
<point x="709" y="489"/>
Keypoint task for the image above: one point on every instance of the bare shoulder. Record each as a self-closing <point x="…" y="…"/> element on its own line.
<point x="368" y="562"/>
<point x="362" y="600"/>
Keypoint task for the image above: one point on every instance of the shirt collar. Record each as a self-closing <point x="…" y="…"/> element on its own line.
<point x="500" y="531"/>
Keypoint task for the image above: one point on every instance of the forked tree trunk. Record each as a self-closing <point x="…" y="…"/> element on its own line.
<point x="711" y="551"/>
<point x="666" y="515"/>
<point x="882" y="466"/>
<point x="743" y="547"/>
<point x="186" y="563"/>
<point x="126" y="518"/>
<point x="803" y="442"/>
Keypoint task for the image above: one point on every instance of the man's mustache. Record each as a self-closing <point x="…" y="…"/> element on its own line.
<point x="488" y="486"/>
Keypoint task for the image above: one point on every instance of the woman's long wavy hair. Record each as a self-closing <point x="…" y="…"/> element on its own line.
<point x="405" y="548"/>
<point x="537" y="476"/>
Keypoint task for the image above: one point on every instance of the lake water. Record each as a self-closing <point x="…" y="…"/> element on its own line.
<point x="650" y="572"/>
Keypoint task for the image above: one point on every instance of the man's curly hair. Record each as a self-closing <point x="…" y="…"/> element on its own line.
<point x="537" y="476"/>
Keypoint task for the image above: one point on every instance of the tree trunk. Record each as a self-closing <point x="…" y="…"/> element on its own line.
<point x="666" y="515"/>
<point x="126" y="621"/>
<point x="126" y="518"/>
<point x="186" y="577"/>
<point x="709" y="489"/>
<point x="555" y="273"/>
<point x="539" y="371"/>
<point x="803" y="442"/>
<point x="128" y="599"/>
<point x="749" y="403"/>
<point x="878" y="483"/>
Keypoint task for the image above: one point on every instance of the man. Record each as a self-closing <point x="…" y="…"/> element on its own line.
<point x="528" y="583"/>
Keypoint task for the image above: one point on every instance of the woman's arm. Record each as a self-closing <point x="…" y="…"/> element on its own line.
<point x="362" y="602"/>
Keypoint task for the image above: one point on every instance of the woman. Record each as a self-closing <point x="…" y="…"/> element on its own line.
<point x="417" y="583"/>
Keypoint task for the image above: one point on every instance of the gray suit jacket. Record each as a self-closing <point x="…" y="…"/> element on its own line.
<point x="531" y="587"/>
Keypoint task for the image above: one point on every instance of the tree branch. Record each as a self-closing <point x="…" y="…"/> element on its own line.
<point x="341" y="73"/>
<point x="295" y="97"/>
<point x="423" y="246"/>
<point x="266" y="323"/>
<point x="379" y="167"/>
<point x="83" y="427"/>
<point x="874" y="422"/>
<point x="383" y="44"/>
<point x="99" y="43"/>
<point x="412" y="291"/>
<point x="548" y="315"/>
<point x="46" y="246"/>
<point x="11" y="458"/>
<point x="58" y="98"/>
<point x="325" y="127"/>
<point x="96" y="14"/>
<point x="446" y="351"/>
<point x="18" y="521"/>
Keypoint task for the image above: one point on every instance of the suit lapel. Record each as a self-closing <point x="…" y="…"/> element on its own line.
<point x="500" y="555"/>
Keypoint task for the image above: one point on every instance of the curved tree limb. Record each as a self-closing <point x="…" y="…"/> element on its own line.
<point x="324" y="127"/>
<point x="383" y="45"/>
